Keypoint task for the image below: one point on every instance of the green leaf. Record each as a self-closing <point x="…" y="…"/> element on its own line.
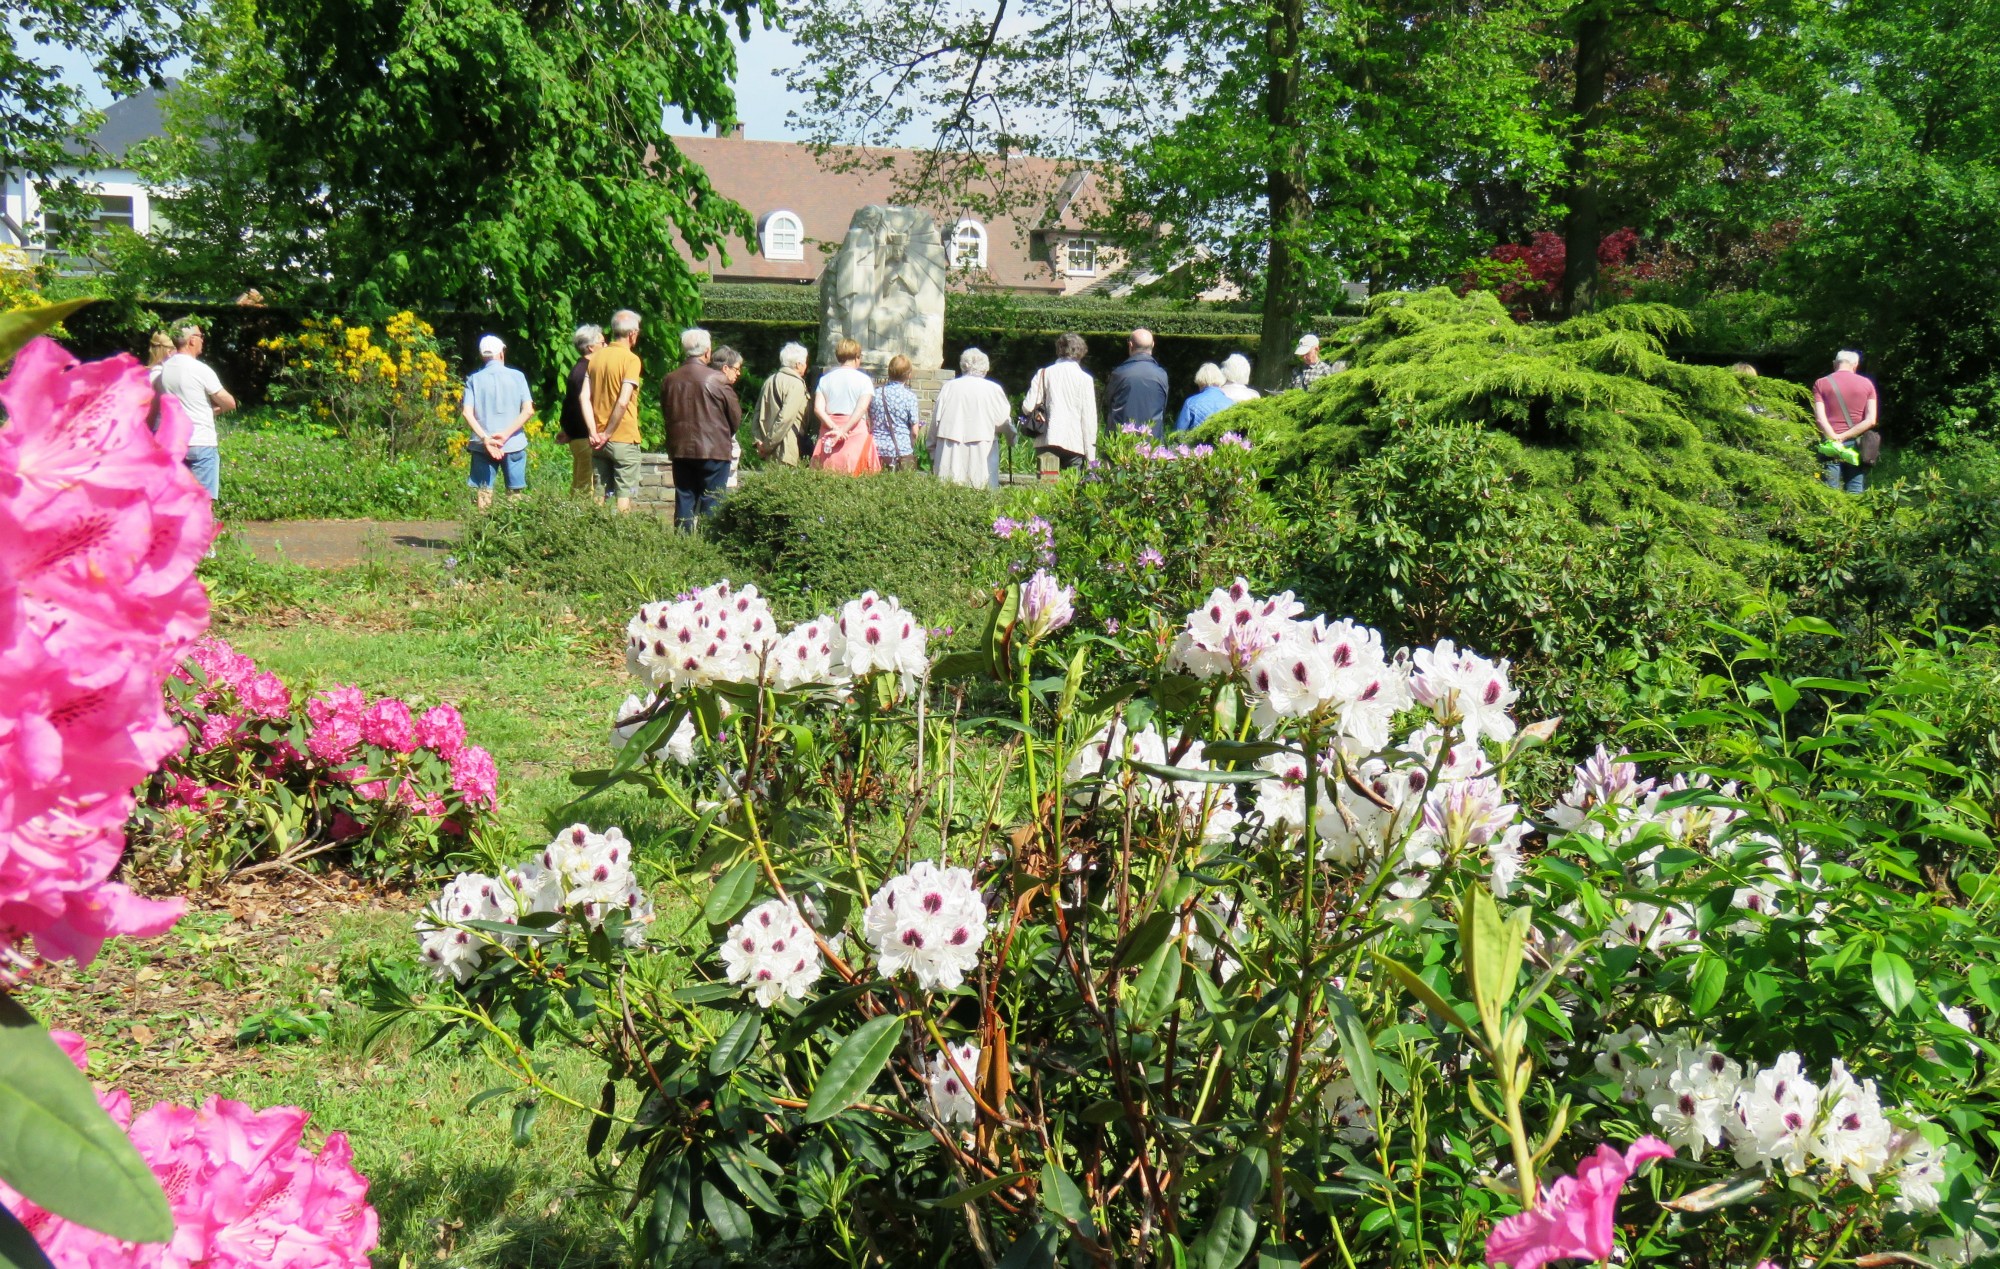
<point x="959" y="665"/>
<point x="1228" y="1239"/>
<point x="673" y="1210"/>
<point x="1810" y="625"/>
<point x="999" y="634"/>
<point x="854" y="1066"/>
<point x="1437" y="1004"/>
<point x="1355" y="1046"/>
<point x="1710" y="976"/>
<point x="600" y="1123"/>
<point x="736" y="1166"/>
<point x="1061" y="1196"/>
<point x="1144" y="939"/>
<point x="525" y="1114"/>
<point x="1894" y="982"/>
<point x="732" y="893"/>
<point x="971" y="1192"/>
<point x="16" y="329"/>
<point x="1740" y="1188"/>
<point x="1035" y="1249"/>
<point x="737" y="1043"/>
<point x="1783" y="694"/>
<point x="59" y="1148"/>
<point x="17" y="1246"/>
<point x="1158" y="983"/>
<point x="1491" y="946"/>
<point x="1199" y="775"/>
<point x="732" y="1223"/>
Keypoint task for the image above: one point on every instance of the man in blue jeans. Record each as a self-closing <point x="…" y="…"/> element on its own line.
<point x="192" y="381"/>
<point x="1845" y="407"/>
<point x="702" y="415"/>
<point x="497" y="408"/>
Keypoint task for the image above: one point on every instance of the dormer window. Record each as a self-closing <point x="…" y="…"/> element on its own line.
<point x="783" y="236"/>
<point x="968" y="245"/>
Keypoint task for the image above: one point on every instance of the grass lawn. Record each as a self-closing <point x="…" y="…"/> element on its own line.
<point x="537" y="685"/>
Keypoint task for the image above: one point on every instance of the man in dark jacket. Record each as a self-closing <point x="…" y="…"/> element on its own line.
<point x="702" y="415"/>
<point x="1138" y="390"/>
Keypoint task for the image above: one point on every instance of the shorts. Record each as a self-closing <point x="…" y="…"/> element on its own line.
<point x="515" y="465"/>
<point x="205" y="461"/>
<point x="617" y="467"/>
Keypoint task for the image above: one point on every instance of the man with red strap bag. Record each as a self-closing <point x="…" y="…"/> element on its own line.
<point x="1846" y="408"/>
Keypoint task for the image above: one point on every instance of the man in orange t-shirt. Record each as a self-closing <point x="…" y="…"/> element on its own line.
<point x="611" y="409"/>
<point x="1845" y="407"/>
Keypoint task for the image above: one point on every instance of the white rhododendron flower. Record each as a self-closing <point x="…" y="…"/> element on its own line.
<point x="1046" y="606"/>
<point x="1226" y="634"/>
<point x="1853" y="1135"/>
<point x="1774" y="1117"/>
<point x="447" y="948"/>
<point x="679" y="747"/>
<point x="1107" y="751"/>
<point x="1464" y="688"/>
<point x="951" y="1094"/>
<point x="879" y="635"/>
<point x="718" y="634"/>
<point x="1919" y="1172"/>
<point x="590" y="873"/>
<point x="772" y="952"/>
<point x="812" y="652"/>
<point x="1956" y="1016"/>
<point x="931" y="922"/>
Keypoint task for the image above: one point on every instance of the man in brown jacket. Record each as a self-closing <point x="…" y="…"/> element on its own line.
<point x="702" y="416"/>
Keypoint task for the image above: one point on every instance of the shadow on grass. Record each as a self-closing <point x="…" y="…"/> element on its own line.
<point x="472" y="1217"/>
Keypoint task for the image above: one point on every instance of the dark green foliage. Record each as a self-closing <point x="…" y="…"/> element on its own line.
<point x="1606" y="430"/>
<point x="549" y="541"/>
<point x="816" y="540"/>
<point x="1931" y="544"/>
<point x="288" y="476"/>
<point x="1432" y="536"/>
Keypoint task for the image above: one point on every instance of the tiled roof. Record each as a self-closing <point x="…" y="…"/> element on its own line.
<point x="771" y="176"/>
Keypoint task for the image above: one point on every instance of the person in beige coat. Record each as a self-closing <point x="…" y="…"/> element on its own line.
<point x="782" y="408"/>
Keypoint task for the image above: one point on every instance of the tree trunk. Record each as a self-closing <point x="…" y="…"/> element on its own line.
<point x="1583" y="227"/>
<point x="1285" y="194"/>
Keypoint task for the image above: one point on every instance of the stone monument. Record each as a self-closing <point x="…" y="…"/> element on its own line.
<point x="884" y="289"/>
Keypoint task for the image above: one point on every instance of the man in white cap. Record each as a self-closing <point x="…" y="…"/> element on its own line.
<point x="1314" y="368"/>
<point x="497" y="408"/>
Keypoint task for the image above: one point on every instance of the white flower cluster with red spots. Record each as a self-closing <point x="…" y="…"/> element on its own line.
<point x="929" y="922"/>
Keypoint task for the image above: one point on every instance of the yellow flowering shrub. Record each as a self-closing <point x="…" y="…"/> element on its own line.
<point x="388" y="389"/>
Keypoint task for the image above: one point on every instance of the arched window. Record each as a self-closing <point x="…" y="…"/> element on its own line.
<point x="784" y="236"/>
<point x="968" y="245"/>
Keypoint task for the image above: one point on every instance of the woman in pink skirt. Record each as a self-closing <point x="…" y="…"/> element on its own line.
<point x="846" y="443"/>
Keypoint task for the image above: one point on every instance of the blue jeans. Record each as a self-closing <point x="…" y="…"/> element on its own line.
<point x="205" y="461"/>
<point x="515" y="465"/>
<point x="1846" y="476"/>
<point x="699" y="484"/>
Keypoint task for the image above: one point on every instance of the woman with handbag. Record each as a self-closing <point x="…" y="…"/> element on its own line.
<point x="846" y="442"/>
<point x="1845" y="406"/>
<point x="1059" y="414"/>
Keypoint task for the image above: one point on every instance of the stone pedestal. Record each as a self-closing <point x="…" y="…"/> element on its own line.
<point x="656" y="485"/>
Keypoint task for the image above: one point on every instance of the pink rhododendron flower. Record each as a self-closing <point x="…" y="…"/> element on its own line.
<point x="266" y="696"/>
<point x="442" y="731"/>
<point x="373" y="790"/>
<point x="335" y="740"/>
<point x="244" y="1192"/>
<point x="345" y="701"/>
<point x="387" y="724"/>
<point x="475" y="777"/>
<point x="1574" y="1217"/>
<point x="217" y="730"/>
<point x="101" y="526"/>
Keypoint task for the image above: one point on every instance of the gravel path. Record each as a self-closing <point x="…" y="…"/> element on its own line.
<point x="340" y="543"/>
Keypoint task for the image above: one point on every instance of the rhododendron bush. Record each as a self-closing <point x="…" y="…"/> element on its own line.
<point x="244" y="1191"/>
<point x="269" y="775"/>
<point x="101" y="526"/>
<point x="1230" y="942"/>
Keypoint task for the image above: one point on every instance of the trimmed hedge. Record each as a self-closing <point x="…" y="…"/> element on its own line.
<point x="816" y="539"/>
<point x="551" y="542"/>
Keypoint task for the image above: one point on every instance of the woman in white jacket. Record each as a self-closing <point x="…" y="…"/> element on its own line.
<point x="970" y="410"/>
<point x="1070" y="394"/>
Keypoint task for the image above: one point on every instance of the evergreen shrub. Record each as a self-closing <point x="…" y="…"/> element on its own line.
<point x="551" y="542"/>
<point x="814" y="539"/>
<point x="1931" y="544"/>
<point x="1607" y="430"/>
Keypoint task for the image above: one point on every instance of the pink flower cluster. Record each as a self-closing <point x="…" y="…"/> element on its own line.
<point x="356" y="758"/>
<point x="1575" y="1218"/>
<point x="101" y="526"/>
<point x="243" y="1190"/>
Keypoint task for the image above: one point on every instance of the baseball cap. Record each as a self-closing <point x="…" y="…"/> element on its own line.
<point x="1306" y="344"/>
<point x="491" y="346"/>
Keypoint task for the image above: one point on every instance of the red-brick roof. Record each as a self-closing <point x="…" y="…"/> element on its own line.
<point x="773" y="176"/>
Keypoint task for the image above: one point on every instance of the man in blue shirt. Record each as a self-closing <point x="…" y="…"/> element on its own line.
<point x="497" y="409"/>
<point x="1138" y="387"/>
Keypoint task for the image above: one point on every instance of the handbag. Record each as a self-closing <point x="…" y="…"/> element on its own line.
<point x="1870" y="445"/>
<point x="1033" y="424"/>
